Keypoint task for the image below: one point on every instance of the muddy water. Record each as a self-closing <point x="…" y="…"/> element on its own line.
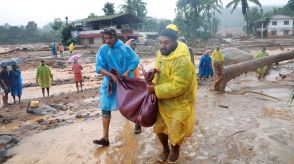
<point x="73" y="144"/>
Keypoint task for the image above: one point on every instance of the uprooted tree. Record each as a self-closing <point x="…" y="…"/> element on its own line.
<point x="232" y="71"/>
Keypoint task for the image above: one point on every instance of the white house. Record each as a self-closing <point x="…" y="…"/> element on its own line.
<point x="276" y="26"/>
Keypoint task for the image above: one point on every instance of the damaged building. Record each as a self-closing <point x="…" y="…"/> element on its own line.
<point x="88" y="31"/>
<point x="277" y="26"/>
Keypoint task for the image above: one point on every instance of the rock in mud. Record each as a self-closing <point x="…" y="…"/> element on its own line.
<point x="234" y="56"/>
<point x="58" y="106"/>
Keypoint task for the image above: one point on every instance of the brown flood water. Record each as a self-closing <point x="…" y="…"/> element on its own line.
<point x="73" y="144"/>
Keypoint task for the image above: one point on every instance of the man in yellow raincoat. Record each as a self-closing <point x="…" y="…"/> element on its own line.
<point x="175" y="87"/>
<point x="217" y="61"/>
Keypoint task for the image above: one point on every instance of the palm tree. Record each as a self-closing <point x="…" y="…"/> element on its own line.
<point x="245" y="8"/>
<point x="210" y="7"/>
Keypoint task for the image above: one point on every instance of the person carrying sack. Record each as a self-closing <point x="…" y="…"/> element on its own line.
<point x="112" y="55"/>
<point x="175" y="87"/>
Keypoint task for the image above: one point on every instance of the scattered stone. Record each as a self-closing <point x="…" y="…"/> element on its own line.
<point x="5" y="120"/>
<point x="223" y="106"/>
<point x="58" y="106"/>
<point x="83" y="115"/>
<point x="5" y="139"/>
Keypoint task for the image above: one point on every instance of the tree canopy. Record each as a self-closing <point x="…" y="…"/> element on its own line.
<point x="245" y="8"/>
<point x="196" y="18"/>
<point x="108" y="8"/>
<point x="135" y="7"/>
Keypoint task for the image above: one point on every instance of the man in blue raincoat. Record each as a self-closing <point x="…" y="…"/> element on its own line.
<point x="15" y="83"/>
<point x="112" y="55"/>
<point x="205" y="66"/>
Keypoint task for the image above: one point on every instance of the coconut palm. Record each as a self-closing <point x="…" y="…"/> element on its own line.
<point x="245" y="8"/>
<point x="209" y="9"/>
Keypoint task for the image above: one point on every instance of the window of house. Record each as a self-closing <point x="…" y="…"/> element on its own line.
<point x="286" y="32"/>
<point x="286" y="22"/>
<point x="274" y="32"/>
<point x="274" y="23"/>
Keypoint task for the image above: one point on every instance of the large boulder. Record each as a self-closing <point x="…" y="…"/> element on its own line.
<point x="235" y="55"/>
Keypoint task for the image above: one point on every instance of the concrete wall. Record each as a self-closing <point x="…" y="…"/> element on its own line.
<point x="87" y="41"/>
<point x="280" y="28"/>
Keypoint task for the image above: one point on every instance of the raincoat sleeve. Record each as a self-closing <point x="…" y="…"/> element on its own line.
<point x="181" y="77"/>
<point x="37" y="74"/>
<point x="222" y="56"/>
<point x="133" y="59"/>
<point x="100" y="62"/>
<point x="50" y="74"/>
<point x="201" y="61"/>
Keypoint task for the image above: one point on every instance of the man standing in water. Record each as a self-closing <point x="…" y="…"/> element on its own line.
<point x="44" y="77"/>
<point x="112" y="55"/>
<point x="175" y="87"/>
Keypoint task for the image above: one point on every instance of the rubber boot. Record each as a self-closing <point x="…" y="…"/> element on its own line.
<point x="163" y="138"/>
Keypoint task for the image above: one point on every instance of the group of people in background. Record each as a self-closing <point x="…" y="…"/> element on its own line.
<point x="54" y="48"/>
<point x="11" y="79"/>
<point x="210" y="66"/>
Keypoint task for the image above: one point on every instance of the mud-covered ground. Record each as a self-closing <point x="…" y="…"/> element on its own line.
<point x="250" y="123"/>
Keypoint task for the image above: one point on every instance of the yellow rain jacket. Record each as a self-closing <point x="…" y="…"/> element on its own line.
<point x="263" y="69"/>
<point x="217" y="56"/>
<point x="71" y="47"/>
<point x="175" y="88"/>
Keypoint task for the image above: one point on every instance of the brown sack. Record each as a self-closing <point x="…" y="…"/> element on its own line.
<point x="134" y="102"/>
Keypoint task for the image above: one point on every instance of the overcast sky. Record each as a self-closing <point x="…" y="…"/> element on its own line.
<point x="19" y="12"/>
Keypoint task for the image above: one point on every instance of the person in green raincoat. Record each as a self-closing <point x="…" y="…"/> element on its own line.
<point x="262" y="71"/>
<point x="44" y="77"/>
<point x="175" y="87"/>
